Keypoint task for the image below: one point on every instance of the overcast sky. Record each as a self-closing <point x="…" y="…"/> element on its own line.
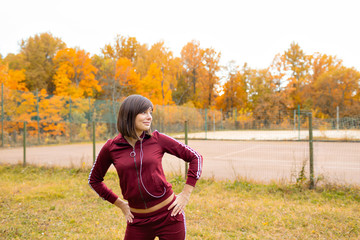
<point x="252" y="31"/>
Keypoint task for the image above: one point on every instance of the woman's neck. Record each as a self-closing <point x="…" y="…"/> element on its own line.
<point x="132" y="140"/>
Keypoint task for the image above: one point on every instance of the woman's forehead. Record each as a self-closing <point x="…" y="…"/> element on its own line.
<point x="148" y="109"/>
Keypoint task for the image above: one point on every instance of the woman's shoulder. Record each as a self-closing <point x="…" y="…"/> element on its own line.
<point x="161" y="137"/>
<point x="158" y="135"/>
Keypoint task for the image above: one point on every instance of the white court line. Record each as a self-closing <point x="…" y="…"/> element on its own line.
<point x="342" y="168"/>
<point x="290" y="163"/>
<point x="232" y="153"/>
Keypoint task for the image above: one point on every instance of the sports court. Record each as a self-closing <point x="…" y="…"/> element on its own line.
<point x="263" y="161"/>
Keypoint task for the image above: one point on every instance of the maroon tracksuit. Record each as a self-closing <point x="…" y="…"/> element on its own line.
<point x="142" y="180"/>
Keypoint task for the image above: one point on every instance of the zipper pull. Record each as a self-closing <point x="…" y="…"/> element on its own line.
<point x="133" y="153"/>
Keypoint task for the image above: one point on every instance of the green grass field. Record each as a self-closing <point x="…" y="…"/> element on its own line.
<point x="41" y="203"/>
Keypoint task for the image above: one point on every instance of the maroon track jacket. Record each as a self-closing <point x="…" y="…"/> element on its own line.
<point x="142" y="180"/>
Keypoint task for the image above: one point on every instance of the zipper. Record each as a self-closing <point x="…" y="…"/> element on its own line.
<point x="138" y="177"/>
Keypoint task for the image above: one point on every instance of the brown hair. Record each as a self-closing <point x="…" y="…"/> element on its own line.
<point x="129" y="109"/>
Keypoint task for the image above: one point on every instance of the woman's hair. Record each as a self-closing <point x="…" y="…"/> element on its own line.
<point x="129" y="109"/>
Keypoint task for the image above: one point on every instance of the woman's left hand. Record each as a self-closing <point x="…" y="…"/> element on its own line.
<point x="181" y="200"/>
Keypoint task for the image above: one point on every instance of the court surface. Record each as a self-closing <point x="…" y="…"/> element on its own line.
<point x="253" y="160"/>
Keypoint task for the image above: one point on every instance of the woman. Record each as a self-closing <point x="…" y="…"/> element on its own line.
<point x="151" y="208"/>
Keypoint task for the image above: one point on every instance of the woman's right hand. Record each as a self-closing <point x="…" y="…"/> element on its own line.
<point x="124" y="206"/>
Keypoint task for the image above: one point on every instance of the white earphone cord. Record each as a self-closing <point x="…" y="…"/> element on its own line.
<point x="141" y="158"/>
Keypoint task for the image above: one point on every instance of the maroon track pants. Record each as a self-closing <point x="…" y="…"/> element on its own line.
<point x="160" y="224"/>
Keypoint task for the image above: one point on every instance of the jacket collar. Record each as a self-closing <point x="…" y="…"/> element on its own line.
<point x="120" y="140"/>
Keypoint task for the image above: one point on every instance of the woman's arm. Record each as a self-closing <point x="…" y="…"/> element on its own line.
<point x="180" y="150"/>
<point x="97" y="174"/>
<point x="181" y="200"/>
<point x="124" y="206"/>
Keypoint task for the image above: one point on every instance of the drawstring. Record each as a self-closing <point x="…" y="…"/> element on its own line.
<point x="141" y="158"/>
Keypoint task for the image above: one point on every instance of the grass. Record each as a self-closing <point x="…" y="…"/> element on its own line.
<point x="55" y="203"/>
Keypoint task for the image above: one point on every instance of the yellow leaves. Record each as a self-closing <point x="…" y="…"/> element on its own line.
<point x="155" y="88"/>
<point x="12" y="79"/>
<point x="75" y="75"/>
<point x="4" y="76"/>
<point x="17" y="80"/>
<point x="124" y="47"/>
<point x="127" y="77"/>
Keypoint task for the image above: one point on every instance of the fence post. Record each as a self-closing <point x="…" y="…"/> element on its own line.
<point x="298" y="121"/>
<point x="70" y="119"/>
<point x="235" y="118"/>
<point x="337" y="117"/>
<point x="214" y="121"/>
<point x="311" y="151"/>
<point x="89" y="110"/>
<point x="38" y="115"/>
<point x="222" y="126"/>
<point x="24" y="145"/>
<point x="2" y="114"/>
<point x="205" y="123"/>
<point x="186" y="143"/>
<point x="94" y="141"/>
<point x="294" y="120"/>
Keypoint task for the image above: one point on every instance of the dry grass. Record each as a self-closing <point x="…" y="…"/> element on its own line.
<point x="41" y="203"/>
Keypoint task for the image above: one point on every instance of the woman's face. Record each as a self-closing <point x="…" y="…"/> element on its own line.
<point x="143" y="121"/>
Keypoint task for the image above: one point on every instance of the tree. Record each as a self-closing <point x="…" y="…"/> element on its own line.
<point x="12" y="79"/>
<point x="105" y="75"/>
<point x="266" y="98"/>
<point x="337" y="87"/>
<point x="291" y="71"/>
<point x="127" y="80"/>
<point x="75" y="75"/>
<point x="234" y="89"/>
<point x="15" y="61"/>
<point x="37" y="54"/>
<point x="124" y="47"/>
<point x="191" y="56"/>
<point x="296" y="62"/>
<point x="211" y="61"/>
<point x="152" y="88"/>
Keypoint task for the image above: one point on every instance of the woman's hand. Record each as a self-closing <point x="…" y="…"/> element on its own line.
<point x="124" y="206"/>
<point x="181" y="200"/>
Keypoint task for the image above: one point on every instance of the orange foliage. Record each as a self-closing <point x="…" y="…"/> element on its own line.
<point x="127" y="77"/>
<point x="155" y="88"/>
<point x="75" y="75"/>
<point x="12" y="79"/>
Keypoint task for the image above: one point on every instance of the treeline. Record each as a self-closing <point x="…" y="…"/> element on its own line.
<point x="316" y="82"/>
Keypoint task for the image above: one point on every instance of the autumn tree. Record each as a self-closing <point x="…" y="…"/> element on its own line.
<point x="163" y="57"/>
<point x="12" y="79"/>
<point x="105" y="75"/>
<point x="75" y="75"/>
<point x="292" y="71"/>
<point x="14" y="61"/>
<point x="210" y="79"/>
<point x="266" y="97"/>
<point x="124" y="47"/>
<point x="37" y="54"/>
<point x="127" y="80"/>
<point x="151" y="87"/>
<point x="191" y="59"/>
<point x="337" y="87"/>
<point x="234" y="90"/>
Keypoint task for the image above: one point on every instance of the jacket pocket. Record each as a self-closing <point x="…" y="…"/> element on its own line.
<point x="157" y="184"/>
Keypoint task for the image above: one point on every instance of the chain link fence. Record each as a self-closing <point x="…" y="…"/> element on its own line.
<point x="59" y="119"/>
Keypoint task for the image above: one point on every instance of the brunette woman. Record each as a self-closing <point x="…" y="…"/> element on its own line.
<point x="150" y="206"/>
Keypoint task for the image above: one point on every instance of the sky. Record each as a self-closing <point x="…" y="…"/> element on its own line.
<point x="252" y="31"/>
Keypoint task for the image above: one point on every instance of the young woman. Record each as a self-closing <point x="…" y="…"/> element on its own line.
<point x="151" y="208"/>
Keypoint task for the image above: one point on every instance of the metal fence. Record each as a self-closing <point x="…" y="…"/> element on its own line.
<point x="37" y="119"/>
<point x="60" y="119"/>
